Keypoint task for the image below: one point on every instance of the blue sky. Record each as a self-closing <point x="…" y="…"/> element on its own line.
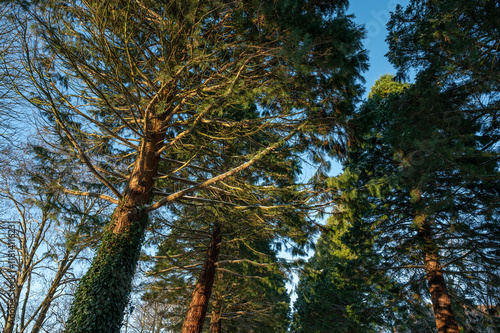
<point x="374" y="15"/>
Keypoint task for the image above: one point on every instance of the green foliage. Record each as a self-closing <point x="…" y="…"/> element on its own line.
<point x="412" y="163"/>
<point x="386" y="85"/>
<point x="254" y="300"/>
<point x="451" y="46"/>
<point x="338" y="291"/>
<point x="226" y="92"/>
<point x="249" y="290"/>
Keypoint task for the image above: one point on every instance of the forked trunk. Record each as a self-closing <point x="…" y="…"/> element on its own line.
<point x="441" y="303"/>
<point x="193" y="323"/>
<point x="102" y="294"/>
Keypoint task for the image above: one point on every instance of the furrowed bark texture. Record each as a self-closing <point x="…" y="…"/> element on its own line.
<point x="193" y="323"/>
<point x="441" y="303"/>
<point x="102" y="294"/>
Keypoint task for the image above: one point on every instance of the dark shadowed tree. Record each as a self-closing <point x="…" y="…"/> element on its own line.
<point x="452" y="46"/>
<point x="420" y="190"/>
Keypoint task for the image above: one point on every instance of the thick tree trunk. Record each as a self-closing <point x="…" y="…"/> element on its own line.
<point x="441" y="303"/>
<point x="193" y="323"/>
<point x="102" y="294"/>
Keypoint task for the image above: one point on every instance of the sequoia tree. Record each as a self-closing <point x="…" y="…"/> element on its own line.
<point x="452" y="46"/>
<point x="420" y="190"/>
<point x="129" y="88"/>
<point x="248" y="288"/>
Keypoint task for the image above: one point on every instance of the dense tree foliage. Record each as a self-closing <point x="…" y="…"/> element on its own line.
<point x="338" y="293"/>
<point x="249" y="284"/>
<point x="142" y="94"/>
<point x="452" y="46"/>
<point x="421" y="192"/>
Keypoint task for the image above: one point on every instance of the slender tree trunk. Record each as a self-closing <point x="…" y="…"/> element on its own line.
<point x="215" y="322"/>
<point x="45" y="306"/>
<point x="441" y="303"/>
<point x="203" y="289"/>
<point x="102" y="294"/>
<point x="216" y="318"/>
<point x="12" y="309"/>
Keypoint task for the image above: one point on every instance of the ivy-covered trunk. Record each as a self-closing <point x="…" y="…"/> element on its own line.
<point x="103" y="292"/>
<point x="441" y="303"/>
<point x="193" y="323"/>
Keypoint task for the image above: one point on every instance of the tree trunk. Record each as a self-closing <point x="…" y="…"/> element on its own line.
<point x="102" y="294"/>
<point x="203" y="289"/>
<point x="216" y="319"/>
<point x="12" y="307"/>
<point x="45" y="306"/>
<point x="215" y="322"/>
<point x="441" y="303"/>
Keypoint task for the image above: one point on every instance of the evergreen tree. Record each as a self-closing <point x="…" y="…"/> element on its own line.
<point x="248" y="289"/>
<point x="272" y="223"/>
<point x="420" y="191"/>
<point x="124" y="85"/>
<point x="452" y="46"/>
<point x="339" y="291"/>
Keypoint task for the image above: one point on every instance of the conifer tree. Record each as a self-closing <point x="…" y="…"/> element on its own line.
<point x="420" y="191"/>
<point x="452" y="46"/>
<point x="340" y="291"/>
<point x="132" y="88"/>
<point x="248" y="282"/>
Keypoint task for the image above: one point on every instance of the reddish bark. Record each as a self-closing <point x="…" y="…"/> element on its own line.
<point x="203" y="289"/>
<point x="108" y="280"/>
<point x="441" y="303"/>
<point x="142" y="179"/>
